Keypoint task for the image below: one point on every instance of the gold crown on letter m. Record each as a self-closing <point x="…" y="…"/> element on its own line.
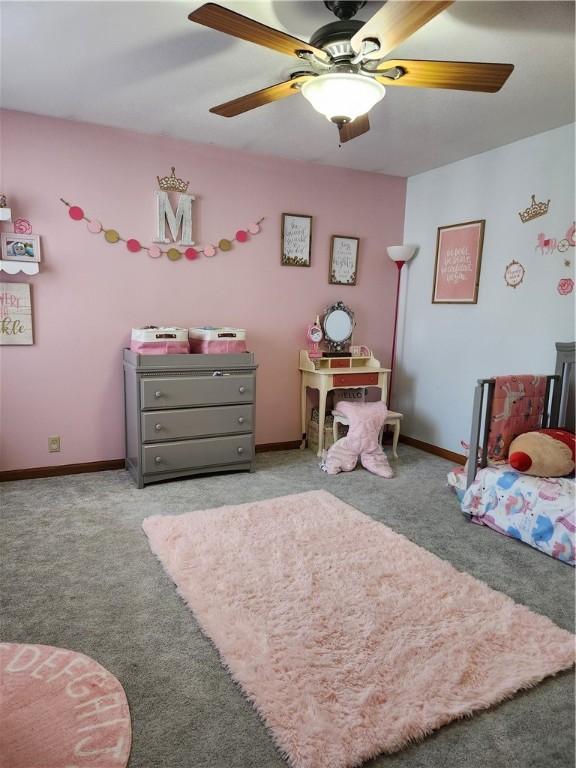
<point x="165" y="214"/>
<point x="172" y="183"/>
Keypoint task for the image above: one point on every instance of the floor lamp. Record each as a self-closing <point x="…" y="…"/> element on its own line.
<point x="399" y="254"/>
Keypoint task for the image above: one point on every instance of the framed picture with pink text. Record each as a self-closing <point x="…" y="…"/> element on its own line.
<point x="458" y="259"/>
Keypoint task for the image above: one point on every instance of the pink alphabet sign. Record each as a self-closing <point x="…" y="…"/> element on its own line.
<point x="458" y="258"/>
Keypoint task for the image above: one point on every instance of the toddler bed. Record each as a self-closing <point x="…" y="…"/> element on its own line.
<point x="537" y="511"/>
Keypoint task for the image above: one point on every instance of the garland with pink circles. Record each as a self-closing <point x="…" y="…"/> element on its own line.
<point x="174" y="254"/>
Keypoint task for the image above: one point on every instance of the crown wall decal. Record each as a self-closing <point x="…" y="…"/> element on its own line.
<point x="172" y="183"/>
<point x="534" y="210"/>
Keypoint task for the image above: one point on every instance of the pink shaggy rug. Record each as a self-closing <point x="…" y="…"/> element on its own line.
<point x="60" y="709"/>
<point x="347" y="638"/>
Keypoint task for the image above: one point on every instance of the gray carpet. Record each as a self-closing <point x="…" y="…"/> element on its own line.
<point x="77" y="573"/>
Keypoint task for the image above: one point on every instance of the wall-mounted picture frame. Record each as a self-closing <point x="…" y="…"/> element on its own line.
<point x="18" y="247"/>
<point x="296" y="240"/>
<point x="458" y="261"/>
<point x="15" y="314"/>
<point x="343" y="269"/>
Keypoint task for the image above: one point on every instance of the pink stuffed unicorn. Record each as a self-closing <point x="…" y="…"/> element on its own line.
<point x="366" y="421"/>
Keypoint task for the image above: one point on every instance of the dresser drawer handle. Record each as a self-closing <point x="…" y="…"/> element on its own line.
<point x="241" y="390"/>
<point x="240" y="450"/>
<point x="157" y="394"/>
<point x="158" y="459"/>
<point x="240" y="419"/>
<point x="157" y="427"/>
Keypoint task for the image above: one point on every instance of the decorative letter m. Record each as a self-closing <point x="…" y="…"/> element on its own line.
<point x="182" y="217"/>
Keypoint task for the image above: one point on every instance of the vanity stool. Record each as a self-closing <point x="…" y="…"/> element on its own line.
<point x="393" y="419"/>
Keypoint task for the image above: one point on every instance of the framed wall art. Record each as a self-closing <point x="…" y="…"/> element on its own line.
<point x="296" y="240"/>
<point x="18" y="247"/>
<point x="458" y="259"/>
<point x="343" y="268"/>
<point x="15" y="314"/>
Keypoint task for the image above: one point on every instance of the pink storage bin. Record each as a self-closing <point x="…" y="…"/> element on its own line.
<point x="216" y="347"/>
<point x="217" y="341"/>
<point x="160" y="348"/>
<point x="160" y="341"/>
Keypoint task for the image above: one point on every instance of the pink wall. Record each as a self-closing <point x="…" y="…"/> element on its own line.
<point x="89" y="294"/>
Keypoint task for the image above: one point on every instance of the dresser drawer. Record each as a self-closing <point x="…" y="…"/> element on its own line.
<point x="188" y="454"/>
<point x="196" y="422"/>
<point x="355" y="379"/>
<point x="179" y="391"/>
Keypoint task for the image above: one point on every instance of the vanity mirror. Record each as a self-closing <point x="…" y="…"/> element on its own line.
<point x="338" y="324"/>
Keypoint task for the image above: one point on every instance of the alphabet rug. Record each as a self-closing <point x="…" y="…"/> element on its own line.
<point x="59" y="708"/>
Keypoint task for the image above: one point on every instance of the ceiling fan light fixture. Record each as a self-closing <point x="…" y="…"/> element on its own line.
<point x="343" y="96"/>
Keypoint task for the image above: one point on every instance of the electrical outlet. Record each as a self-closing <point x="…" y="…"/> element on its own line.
<point x="54" y="444"/>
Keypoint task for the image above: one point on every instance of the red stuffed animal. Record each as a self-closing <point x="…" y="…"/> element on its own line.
<point x="544" y="452"/>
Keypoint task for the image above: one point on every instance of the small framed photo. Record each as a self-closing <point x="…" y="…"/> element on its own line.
<point x="458" y="259"/>
<point x="296" y="239"/>
<point x="16" y="247"/>
<point x="343" y="268"/>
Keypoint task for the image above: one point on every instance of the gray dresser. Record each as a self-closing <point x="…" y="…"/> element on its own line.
<point x="188" y="414"/>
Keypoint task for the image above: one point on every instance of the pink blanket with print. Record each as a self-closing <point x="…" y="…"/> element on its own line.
<point x="517" y="407"/>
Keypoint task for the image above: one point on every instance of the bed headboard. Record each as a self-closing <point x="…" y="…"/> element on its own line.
<point x="563" y="400"/>
<point x="558" y="408"/>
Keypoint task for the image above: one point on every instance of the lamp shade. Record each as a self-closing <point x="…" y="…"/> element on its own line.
<point x="343" y="96"/>
<point x="401" y="252"/>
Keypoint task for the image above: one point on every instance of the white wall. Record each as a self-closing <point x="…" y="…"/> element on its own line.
<point x="443" y="348"/>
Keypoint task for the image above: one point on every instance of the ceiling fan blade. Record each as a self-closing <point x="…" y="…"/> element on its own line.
<point x="356" y="128"/>
<point x="394" y="22"/>
<point x="456" y="75"/>
<point x="232" y="23"/>
<point x="259" y="98"/>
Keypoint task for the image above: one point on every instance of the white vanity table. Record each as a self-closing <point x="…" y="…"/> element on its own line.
<point x="337" y="372"/>
<point x="328" y="373"/>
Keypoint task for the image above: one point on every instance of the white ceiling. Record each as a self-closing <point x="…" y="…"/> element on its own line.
<point x="144" y="66"/>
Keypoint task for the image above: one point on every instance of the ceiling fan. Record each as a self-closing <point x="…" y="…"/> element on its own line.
<point x="347" y="65"/>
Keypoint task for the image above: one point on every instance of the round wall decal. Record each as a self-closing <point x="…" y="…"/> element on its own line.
<point x="111" y="236"/>
<point x="22" y="227"/>
<point x="94" y="226"/>
<point x="133" y="245"/>
<point x="76" y="213"/>
<point x="514" y="274"/>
